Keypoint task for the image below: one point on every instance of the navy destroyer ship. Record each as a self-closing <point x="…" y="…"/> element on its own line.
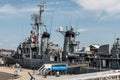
<point x="37" y="50"/>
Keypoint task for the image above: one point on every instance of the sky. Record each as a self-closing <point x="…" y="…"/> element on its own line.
<point x="98" y="21"/>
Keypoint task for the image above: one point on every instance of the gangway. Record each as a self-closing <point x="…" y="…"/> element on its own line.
<point x="45" y="69"/>
<point x="41" y="69"/>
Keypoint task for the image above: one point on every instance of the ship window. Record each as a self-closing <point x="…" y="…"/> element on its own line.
<point x="55" y="58"/>
<point x="119" y="55"/>
<point x="119" y="63"/>
<point x="28" y="50"/>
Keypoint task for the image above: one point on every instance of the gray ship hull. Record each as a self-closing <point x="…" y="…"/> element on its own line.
<point x="27" y="63"/>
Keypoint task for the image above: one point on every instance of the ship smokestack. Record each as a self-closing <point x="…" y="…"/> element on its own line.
<point x="44" y="42"/>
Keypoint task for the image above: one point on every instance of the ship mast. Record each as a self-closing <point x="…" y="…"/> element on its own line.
<point x="38" y="23"/>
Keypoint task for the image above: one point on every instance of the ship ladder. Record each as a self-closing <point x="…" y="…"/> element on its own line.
<point x="44" y="71"/>
<point x="40" y="70"/>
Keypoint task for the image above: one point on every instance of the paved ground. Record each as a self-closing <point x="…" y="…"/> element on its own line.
<point x="6" y="73"/>
<point x="7" y="76"/>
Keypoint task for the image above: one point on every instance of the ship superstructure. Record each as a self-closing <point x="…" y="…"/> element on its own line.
<point x="103" y="56"/>
<point x="70" y="45"/>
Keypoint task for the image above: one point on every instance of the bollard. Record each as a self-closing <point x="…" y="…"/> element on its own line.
<point x="16" y="73"/>
<point x="57" y="74"/>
